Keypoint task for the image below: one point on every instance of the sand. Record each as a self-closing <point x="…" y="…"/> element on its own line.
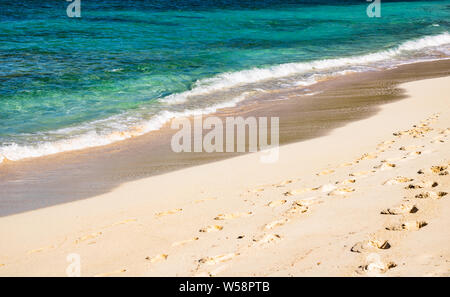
<point x="57" y="179"/>
<point x="364" y="200"/>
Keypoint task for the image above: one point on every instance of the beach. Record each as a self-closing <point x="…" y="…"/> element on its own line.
<point x="225" y="138"/>
<point x="367" y="198"/>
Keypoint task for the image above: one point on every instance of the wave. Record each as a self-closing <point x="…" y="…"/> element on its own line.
<point x="339" y="66"/>
<point x="14" y="152"/>
<point x="232" y="79"/>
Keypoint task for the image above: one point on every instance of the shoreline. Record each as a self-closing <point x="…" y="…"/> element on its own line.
<point x="42" y="182"/>
<point x="222" y="221"/>
<point x="254" y="76"/>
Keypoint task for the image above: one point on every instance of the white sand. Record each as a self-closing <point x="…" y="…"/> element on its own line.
<point x="151" y="226"/>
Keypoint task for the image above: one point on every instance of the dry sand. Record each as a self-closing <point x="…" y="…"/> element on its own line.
<point x="359" y="201"/>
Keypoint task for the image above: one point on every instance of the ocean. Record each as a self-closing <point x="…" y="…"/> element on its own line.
<point x="125" y="68"/>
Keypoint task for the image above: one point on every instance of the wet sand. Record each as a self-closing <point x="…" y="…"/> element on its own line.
<point x="36" y="183"/>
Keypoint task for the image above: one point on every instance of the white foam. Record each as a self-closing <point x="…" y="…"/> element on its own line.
<point x="91" y="139"/>
<point x="233" y="79"/>
<point x="16" y="152"/>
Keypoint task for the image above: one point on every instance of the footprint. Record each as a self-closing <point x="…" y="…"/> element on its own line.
<point x="438" y="139"/>
<point x="276" y="223"/>
<point x="325" y="172"/>
<point x="437" y="169"/>
<point x="359" y="247"/>
<point x="327" y="188"/>
<point x="385" y="144"/>
<point x="410" y="148"/>
<point x="211" y="228"/>
<point x="441" y="170"/>
<point x="400" y="133"/>
<point x="385" y="166"/>
<point x="431" y="194"/>
<point x="269" y="238"/>
<point x="309" y="201"/>
<point x="283" y="183"/>
<point x="445" y="131"/>
<point x="360" y="173"/>
<point x="218" y="270"/>
<point x="416" y="132"/>
<point x="397" y="180"/>
<point x="276" y="203"/>
<point x="402" y="209"/>
<point x="410" y="226"/>
<point x="110" y="273"/>
<point x="230" y="216"/>
<point x="341" y="191"/>
<point x="347" y="182"/>
<point x="300" y="191"/>
<point x="423" y="124"/>
<point x="368" y="156"/>
<point x="169" y="212"/>
<point x="412" y="155"/>
<point x="393" y="159"/>
<point x="256" y="190"/>
<point x="40" y="249"/>
<point x="380" y="244"/>
<point x="122" y="222"/>
<point x="158" y="258"/>
<point x="183" y="242"/>
<point x="377" y="267"/>
<point x="218" y="259"/>
<point x="422" y="184"/>
<point x="296" y="208"/>
<point x="87" y="237"/>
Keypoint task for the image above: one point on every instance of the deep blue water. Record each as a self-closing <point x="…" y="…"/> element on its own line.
<point x="125" y="67"/>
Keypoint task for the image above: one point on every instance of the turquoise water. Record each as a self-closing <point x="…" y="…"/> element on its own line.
<point x="125" y="67"/>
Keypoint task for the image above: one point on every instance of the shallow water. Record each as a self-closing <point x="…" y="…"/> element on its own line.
<point x="125" y="67"/>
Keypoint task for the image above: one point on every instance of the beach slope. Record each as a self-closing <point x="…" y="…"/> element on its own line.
<point x="370" y="198"/>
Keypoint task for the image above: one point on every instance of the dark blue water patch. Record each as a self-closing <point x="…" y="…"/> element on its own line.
<point x="41" y="9"/>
